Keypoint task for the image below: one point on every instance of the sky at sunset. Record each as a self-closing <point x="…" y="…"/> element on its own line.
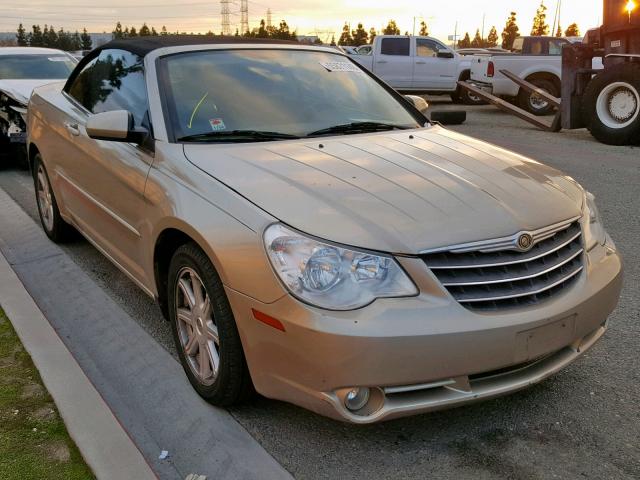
<point x="307" y="16"/>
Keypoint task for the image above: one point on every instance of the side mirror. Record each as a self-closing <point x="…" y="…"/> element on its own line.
<point x="418" y="102"/>
<point x="445" y="54"/>
<point x="115" y="126"/>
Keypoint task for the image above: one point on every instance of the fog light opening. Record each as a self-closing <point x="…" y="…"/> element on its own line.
<point x="357" y="398"/>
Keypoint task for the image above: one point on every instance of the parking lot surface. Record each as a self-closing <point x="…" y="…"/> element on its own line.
<point x="582" y="423"/>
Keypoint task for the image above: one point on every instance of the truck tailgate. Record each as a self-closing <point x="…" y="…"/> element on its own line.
<point x="479" y="65"/>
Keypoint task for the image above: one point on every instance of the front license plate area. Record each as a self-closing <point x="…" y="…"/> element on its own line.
<point x="549" y="338"/>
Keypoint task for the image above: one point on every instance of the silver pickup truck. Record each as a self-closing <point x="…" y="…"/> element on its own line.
<point x="536" y="59"/>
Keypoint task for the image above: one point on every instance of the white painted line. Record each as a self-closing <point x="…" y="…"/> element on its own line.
<point x="104" y="444"/>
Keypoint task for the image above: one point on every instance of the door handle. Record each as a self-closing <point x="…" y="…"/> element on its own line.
<point x="72" y="128"/>
<point x="382" y="61"/>
<point x="421" y="63"/>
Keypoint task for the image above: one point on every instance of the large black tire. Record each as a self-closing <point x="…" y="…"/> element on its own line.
<point x="232" y="383"/>
<point x="607" y="125"/>
<point x="52" y="223"/>
<point x="532" y="103"/>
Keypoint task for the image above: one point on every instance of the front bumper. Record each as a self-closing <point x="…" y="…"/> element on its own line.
<point x="423" y="353"/>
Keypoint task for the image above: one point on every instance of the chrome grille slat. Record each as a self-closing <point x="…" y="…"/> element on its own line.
<point x="535" y="292"/>
<point x="499" y="279"/>
<point x="510" y="256"/>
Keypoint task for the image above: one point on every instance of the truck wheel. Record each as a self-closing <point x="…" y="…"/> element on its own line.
<point x="612" y="105"/>
<point x="533" y="103"/>
<point x="462" y="95"/>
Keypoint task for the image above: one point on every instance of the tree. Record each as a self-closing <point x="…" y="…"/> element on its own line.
<point x="50" y="37"/>
<point x="76" y="41"/>
<point x="164" y="31"/>
<point x="21" y="36"/>
<point x="360" y="36"/>
<point x="372" y="34"/>
<point x="333" y="41"/>
<point x="117" y="32"/>
<point x="572" y="31"/>
<point x="510" y="32"/>
<point x="540" y="27"/>
<point x="284" y="33"/>
<point x="133" y="32"/>
<point x="492" y="39"/>
<point x="144" y="31"/>
<point x="85" y="38"/>
<point x="477" y="41"/>
<point x="345" y="38"/>
<point x="424" y="30"/>
<point x="391" y="28"/>
<point x="153" y="32"/>
<point x="465" y="42"/>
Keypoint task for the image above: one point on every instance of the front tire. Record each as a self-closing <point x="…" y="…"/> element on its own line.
<point x="204" y="329"/>
<point x="52" y="222"/>
<point x="612" y="105"/>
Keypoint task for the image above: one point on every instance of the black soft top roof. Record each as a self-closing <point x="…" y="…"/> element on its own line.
<point x="141" y="46"/>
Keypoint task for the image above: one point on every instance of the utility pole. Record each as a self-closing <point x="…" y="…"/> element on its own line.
<point x="484" y="15"/>
<point x="268" y="18"/>
<point x="244" y="16"/>
<point x="224" y="10"/>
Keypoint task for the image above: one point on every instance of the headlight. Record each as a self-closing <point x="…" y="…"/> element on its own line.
<point x="594" y="231"/>
<point x="333" y="277"/>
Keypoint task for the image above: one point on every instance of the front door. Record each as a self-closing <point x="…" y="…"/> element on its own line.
<point x="102" y="181"/>
<point x="430" y="71"/>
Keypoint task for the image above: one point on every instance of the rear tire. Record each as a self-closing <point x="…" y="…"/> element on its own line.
<point x="53" y="224"/>
<point x="532" y="103"/>
<point x="464" y="96"/>
<point x="204" y="330"/>
<point x="611" y="106"/>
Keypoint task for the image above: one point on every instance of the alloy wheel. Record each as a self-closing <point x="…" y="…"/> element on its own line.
<point x="197" y="329"/>
<point x="45" y="198"/>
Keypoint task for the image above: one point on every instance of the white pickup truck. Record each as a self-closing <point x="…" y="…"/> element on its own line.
<point x="418" y="64"/>
<point x="535" y="59"/>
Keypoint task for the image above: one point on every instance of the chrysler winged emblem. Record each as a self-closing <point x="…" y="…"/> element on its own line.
<point x="525" y="242"/>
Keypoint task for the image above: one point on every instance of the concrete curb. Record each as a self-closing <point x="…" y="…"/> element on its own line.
<point x="104" y="444"/>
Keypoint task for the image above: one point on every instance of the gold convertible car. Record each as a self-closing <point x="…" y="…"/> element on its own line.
<point x="310" y="235"/>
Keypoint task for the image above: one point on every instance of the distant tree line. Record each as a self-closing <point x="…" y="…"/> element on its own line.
<point x="49" y="38"/>
<point x="511" y="31"/>
<point x="281" y="32"/>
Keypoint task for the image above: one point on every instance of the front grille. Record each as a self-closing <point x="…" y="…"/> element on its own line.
<point x="488" y="279"/>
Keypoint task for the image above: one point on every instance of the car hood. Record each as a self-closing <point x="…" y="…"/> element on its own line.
<point x="20" y="90"/>
<point x="401" y="192"/>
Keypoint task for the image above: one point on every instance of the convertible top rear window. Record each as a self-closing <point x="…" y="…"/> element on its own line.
<point x="291" y="92"/>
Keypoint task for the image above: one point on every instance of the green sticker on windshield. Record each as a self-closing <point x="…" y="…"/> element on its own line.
<point x="217" y="125"/>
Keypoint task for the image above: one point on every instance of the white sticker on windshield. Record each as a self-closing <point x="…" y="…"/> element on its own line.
<point x="57" y="59"/>
<point x="217" y="125"/>
<point x="340" y="67"/>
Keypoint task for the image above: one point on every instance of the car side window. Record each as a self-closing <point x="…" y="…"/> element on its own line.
<point x="555" y="47"/>
<point x="396" y="46"/>
<point x="113" y="81"/>
<point x="426" y="47"/>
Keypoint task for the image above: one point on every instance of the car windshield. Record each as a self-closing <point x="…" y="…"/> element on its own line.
<point x="36" y="67"/>
<point x="212" y="95"/>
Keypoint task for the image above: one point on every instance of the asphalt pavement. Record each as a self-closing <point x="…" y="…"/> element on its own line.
<point x="582" y="423"/>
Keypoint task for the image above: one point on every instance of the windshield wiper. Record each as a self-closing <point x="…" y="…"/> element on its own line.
<point x="358" y="127"/>
<point x="237" y="136"/>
